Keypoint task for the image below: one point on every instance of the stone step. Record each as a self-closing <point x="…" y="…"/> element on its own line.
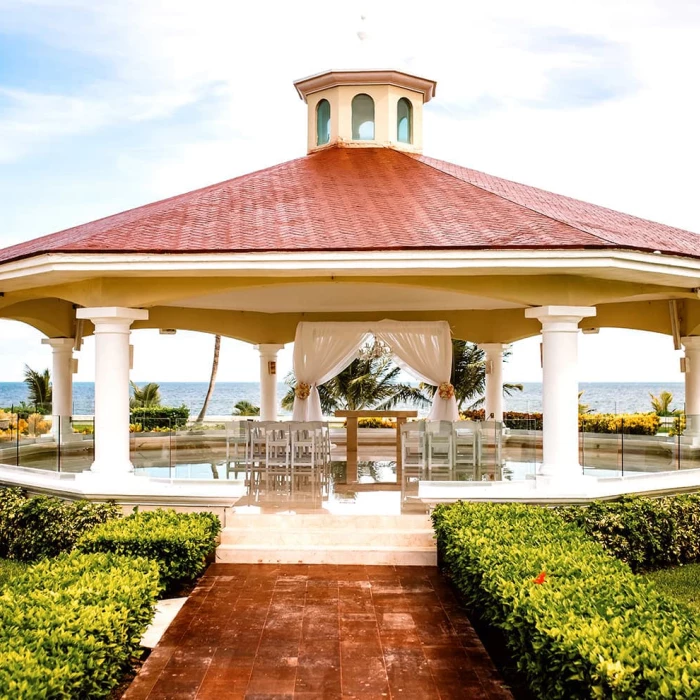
<point x="327" y="538"/>
<point x="358" y="537"/>
<point x="329" y="554"/>
<point x="326" y="521"/>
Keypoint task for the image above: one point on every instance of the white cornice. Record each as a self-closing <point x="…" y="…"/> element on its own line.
<point x="417" y="262"/>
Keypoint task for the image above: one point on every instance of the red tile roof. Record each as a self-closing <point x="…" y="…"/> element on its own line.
<point x="362" y="199"/>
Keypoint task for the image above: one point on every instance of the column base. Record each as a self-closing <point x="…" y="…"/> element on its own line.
<point x="559" y="475"/>
<point x="111" y="468"/>
<point x="691" y="439"/>
<point x="107" y="482"/>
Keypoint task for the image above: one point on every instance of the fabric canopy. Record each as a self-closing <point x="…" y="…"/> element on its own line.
<point x="323" y="350"/>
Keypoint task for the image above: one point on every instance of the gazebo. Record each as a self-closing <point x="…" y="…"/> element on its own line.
<point x="362" y="229"/>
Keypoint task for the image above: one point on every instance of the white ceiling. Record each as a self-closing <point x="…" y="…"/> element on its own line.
<point x="341" y="296"/>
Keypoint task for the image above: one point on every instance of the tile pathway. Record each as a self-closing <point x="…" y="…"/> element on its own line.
<point x="307" y="632"/>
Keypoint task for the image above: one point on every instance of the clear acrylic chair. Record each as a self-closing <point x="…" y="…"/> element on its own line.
<point x="491" y="439"/>
<point x="466" y="445"/>
<point x="413" y="447"/>
<point x="439" y="450"/>
<point x="237" y="436"/>
<point x="306" y="443"/>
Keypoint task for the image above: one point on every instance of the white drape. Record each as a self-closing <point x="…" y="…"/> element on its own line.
<point x="323" y="350"/>
<point x="425" y="351"/>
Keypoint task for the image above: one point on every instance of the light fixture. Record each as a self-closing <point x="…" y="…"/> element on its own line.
<point x="167" y="331"/>
<point x="376" y="350"/>
<point x="590" y="331"/>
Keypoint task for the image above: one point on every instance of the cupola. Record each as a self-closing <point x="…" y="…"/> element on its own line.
<point x="365" y="109"/>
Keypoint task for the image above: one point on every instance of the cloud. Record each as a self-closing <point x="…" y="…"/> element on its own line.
<point x="586" y="69"/>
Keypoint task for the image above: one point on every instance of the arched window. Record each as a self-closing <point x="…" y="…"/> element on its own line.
<point x="362" y="118"/>
<point x="323" y="122"/>
<point x="404" y="121"/>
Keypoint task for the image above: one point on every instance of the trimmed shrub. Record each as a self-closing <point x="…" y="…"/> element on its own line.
<point x="511" y="419"/>
<point x="179" y="542"/>
<point x="376" y="423"/>
<point x="36" y="527"/>
<point x="627" y="423"/>
<point x="647" y="533"/>
<point x="585" y="628"/>
<point x="163" y="417"/>
<point x="70" y="626"/>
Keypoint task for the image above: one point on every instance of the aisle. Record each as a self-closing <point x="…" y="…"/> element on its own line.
<point x="315" y="631"/>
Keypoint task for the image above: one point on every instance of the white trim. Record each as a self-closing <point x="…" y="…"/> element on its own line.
<point x="349" y="262"/>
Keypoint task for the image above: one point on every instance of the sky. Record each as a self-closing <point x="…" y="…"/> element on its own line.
<point x="108" y="105"/>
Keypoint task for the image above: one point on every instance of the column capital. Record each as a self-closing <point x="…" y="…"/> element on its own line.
<point x="560" y="318"/>
<point x="269" y="348"/>
<point x="489" y="348"/>
<point x="59" y="344"/>
<point x="112" y="313"/>
<point x="112" y="319"/>
<point x="691" y="342"/>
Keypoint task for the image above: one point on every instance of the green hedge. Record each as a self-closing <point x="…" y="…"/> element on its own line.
<point x="627" y="423"/>
<point x="592" y="630"/>
<point x="35" y="527"/>
<point x="516" y="420"/>
<point x="160" y="417"/>
<point x="70" y="626"/>
<point x="179" y="542"/>
<point x="647" y="533"/>
<point x="606" y="423"/>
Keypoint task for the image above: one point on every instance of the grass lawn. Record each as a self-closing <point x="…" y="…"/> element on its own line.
<point x="682" y="582"/>
<point x="9" y="569"/>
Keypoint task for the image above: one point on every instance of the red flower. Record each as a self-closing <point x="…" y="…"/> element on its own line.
<point x="540" y="579"/>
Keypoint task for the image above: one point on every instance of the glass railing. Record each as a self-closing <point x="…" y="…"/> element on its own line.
<point x="480" y="451"/>
<point x="33" y="438"/>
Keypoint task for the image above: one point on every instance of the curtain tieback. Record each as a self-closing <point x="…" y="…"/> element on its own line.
<point x="446" y="391"/>
<point x="302" y="391"/>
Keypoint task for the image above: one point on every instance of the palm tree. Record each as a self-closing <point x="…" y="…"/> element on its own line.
<point x="583" y="407"/>
<point x="661" y="404"/>
<point x="246" y="408"/>
<point x="146" y="396"/>
<point x="212" y="379"/>
<point x="367" y="382"/>
<point x="469" y="376"/>
<point x="38" y="386"/>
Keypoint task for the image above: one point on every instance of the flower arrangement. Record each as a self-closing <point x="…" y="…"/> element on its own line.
<point x="446" y="391"/>
<point x="302" y="391"/>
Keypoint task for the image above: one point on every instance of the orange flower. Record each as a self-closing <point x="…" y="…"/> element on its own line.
<point x="540" y="579"/>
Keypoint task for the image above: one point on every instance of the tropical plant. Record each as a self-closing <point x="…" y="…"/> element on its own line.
<point x="369" y="381"/>
<point x="661" y="404"/>
<point x="147" y="396"/>
<point x="469" y="376"/>
<point x="38" y="386"/>
<point x="246" y="408"/>
<point x="212" y="379"/>
<point x="583" y="407"/>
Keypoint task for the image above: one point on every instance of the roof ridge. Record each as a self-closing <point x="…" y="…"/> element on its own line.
<point x="417" y="157"/>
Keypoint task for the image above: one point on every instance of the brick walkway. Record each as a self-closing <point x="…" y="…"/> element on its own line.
<point x="312" y="632"/>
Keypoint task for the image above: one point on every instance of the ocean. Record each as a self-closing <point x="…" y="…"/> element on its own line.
<point x="604" y="397"/>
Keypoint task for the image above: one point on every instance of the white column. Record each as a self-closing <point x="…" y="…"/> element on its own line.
<point x="493" y="403"/>
<point x="61" y="386"/>
<point x="691" y="345"/>
<point x="268" y="380"/>
<point x="560" y="330"/>
<point x="112" y="361"/>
